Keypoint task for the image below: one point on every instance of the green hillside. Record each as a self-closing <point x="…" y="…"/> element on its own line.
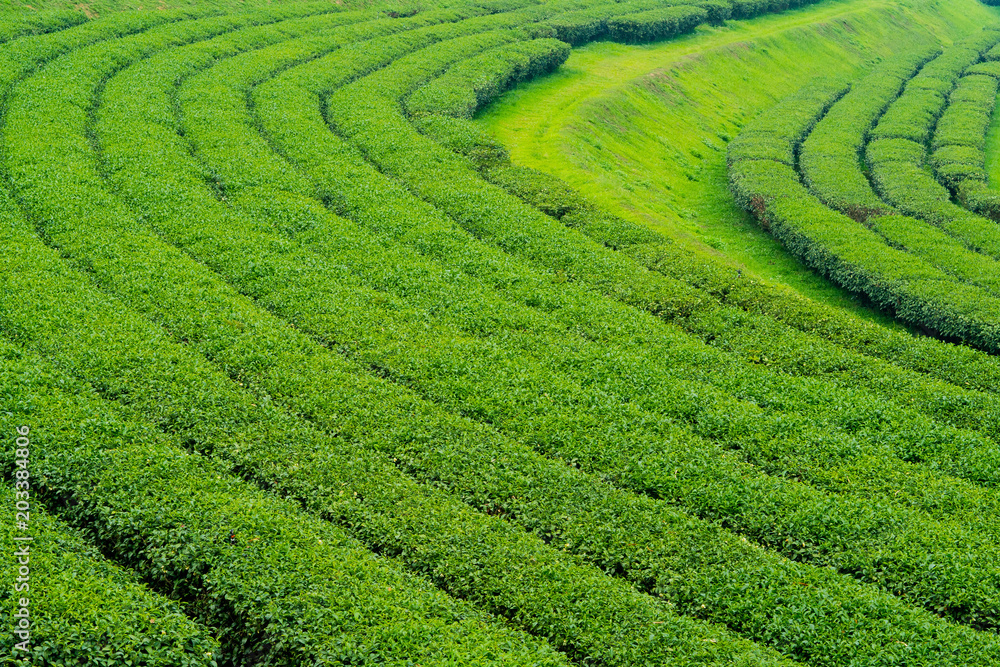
<point x="500" y="332"/>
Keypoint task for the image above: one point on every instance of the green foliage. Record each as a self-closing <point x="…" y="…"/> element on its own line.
<point x="486" y="396"/>
<point x="464" y="138"/>
<point x="830" y="155"/>
<point x="297" y="300"/>
<point x="586" y="25"/>
<point x="655" y="24"/>
<point x="959" y="145"/>
<point x="285" y="588"/>
<point x="38" y="23"/>
<point x="775" y="136"/>
<point x="84" y="610"/>
<point x="840" y="248"/>
<point x="475" y="82"/>
<point x="594" y="613"/>
<point x="899" y="166"/>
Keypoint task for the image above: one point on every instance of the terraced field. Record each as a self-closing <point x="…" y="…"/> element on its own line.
<point x="304" y="365"/>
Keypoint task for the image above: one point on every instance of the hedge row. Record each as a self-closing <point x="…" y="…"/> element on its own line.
<point x="281" y="587"/>
<point x="959" y="145"/>
<point x="938" y="249"/>
<point x="898" y="154"/>
<point x="205" y="121"/>
<point x="913" y="115"/>
<point x="15" y="25"/>
<point x="745" y="9"/>
<point x="356" y="174"/>
<point x="841" y="133"/>
<point x="843" y="250"/>
<point x="582" y="610"/>
<point x="899" y="175"/>
<point x="967" y="117"/>
<point x="972" y="370"/>
<point x="336" y="400"/>
<point x="975" y="193"/>
<point x="471" y="196"/>
<point x="556" y="199"/>
<point x="594" y="615"/>
<point x="391" y="211"/>
<point x="776" y="134"/>
<point x="590" y="23"/>
<point x="655" y="24"/>
<point x="475" y="82"/>
<point x="409" y="290"/>
<point x="830" y="155"/>
<point x="299" y="305"/>
<point x="82" y="610"/>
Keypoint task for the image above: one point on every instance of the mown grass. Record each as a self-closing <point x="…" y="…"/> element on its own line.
<point x="642" y="129"/>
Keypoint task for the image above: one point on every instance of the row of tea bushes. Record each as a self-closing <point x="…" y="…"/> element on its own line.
<point x="961" y="163"/>
<point x="556" y="199"/>
<point x="963" y="125"/>
<point x="898" y="152"/>
<point x="255" y="262"/>
<point x="838" y="247"/>
<point x="280" y="586"/>
<point x="830" y="159"/>
<point x="655" y="24"/>
<point x="81" y="609"/>
<point x="374" y="205"/>
<point x="441" y="537"/>
<point x="475" y="82"/>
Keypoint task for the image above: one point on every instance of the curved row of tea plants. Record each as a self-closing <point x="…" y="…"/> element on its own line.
<point x="200" y="215"/>
<point x="924" y="276"/>
<point x="332" y="360"/>
<point x="322" y="293"/>
<point x="829" y="158"/>
<point x="80" y="608"/>
<point x="328" y="170"/>
<point x="959" y="157"/>
<point x="281" y="586"/>
<point x="652" y="250"/>
<point x="445" y="538"/>
<point x="901" y="140"/>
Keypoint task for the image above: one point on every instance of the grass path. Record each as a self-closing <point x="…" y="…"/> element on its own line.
<point x="642" y="129"/>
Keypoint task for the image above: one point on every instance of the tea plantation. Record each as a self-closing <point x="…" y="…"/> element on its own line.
<point x="500" y="332"/>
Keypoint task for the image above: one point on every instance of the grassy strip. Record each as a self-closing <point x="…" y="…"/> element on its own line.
<point x="83" y="610"/>
<point x="283" y="587"/>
